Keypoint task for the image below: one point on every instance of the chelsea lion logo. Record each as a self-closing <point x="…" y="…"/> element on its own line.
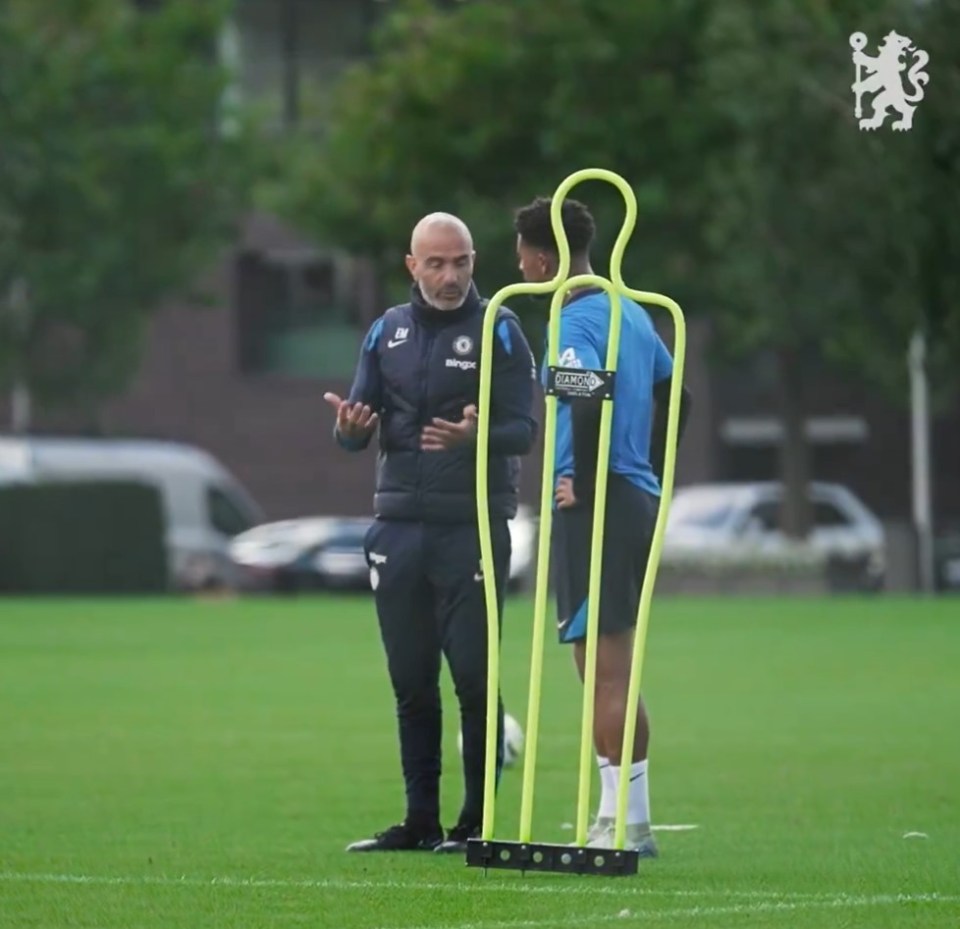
<point x="463" y="345"/>
<point x="882" y="75"/>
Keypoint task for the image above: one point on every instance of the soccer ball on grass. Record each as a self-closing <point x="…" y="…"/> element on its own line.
<point x="512" y="741"/>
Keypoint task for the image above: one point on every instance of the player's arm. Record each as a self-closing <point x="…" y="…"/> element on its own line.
<point x="578" y="345"/>
<point x="513" y="428"/>
<point x="662" y="384"/>
<point x="358" y="415"/>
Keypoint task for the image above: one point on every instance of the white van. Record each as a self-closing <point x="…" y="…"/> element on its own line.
<point x="204" y="505"/>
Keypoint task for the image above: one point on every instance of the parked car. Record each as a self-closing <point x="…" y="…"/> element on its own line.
<point x="204" y="504"/>
<point x="302" y="554"/>
<point x="947" y="559"/>
<point x="326" y="552"/>
<point x="740" y="520"/>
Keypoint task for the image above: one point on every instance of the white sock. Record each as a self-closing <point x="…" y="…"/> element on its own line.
<point x="608" y="789"/>
<point x="638" y="802"/>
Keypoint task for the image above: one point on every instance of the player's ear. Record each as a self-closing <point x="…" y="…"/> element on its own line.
<point x="412" y="266"/>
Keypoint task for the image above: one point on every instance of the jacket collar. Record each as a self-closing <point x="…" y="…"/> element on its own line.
<point x="580" y="294"/>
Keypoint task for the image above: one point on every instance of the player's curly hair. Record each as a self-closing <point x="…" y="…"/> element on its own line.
<point x="533" y="224"/>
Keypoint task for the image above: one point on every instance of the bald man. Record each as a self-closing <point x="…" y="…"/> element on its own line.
<point x="418" y="382"/>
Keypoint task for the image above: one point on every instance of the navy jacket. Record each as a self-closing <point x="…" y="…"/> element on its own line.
<point x="418" y="363"/>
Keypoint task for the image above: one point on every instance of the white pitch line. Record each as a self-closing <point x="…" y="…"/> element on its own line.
<point x="481" y="886"/>
<point x="740" y="909"/>
<point x="764" y="900"/>
<point x="663" y="827"/>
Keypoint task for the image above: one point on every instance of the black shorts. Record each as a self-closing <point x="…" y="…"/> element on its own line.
<point x="631" y="516"/>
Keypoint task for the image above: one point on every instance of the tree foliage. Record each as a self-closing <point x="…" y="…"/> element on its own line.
<point x="116" y="184"/>
<point x="480" y="109"/>
<point x="820" y="234"/>
<point x="827" y="244"/>
<point x="762" y="204"/>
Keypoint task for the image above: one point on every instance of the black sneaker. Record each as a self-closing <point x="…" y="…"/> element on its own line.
<point x="400" y="838"/>
<point x="456" y="841"/>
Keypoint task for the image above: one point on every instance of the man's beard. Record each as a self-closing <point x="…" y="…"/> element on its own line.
<point x="441" y="301"/>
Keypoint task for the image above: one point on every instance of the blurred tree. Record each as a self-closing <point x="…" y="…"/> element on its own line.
<point x="937" y="224"/>
<point x="761" y="203"/>
<point x="827" y="243"/>
<point x="116" y="183"/>
<point x="479" y="108"/>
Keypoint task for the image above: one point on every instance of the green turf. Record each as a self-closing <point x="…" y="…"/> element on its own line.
<point x="181" y="764"/>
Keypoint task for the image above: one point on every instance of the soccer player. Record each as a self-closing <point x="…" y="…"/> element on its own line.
<point x="418" y="380"/>
<point x="641" y="395"/>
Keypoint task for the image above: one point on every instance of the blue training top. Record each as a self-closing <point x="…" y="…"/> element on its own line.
<point x="642" y="361"/>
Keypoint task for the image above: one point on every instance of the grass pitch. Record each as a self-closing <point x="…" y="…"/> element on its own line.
<point x="203" y="764"/>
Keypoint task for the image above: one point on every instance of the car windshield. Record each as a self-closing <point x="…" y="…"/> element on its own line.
<point x="348" y="540"/>
<point x="700" y="511"/>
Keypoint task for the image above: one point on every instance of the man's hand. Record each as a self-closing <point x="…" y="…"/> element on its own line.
<point x="443" y="435"/>
<point x="354" y="422"/>
<point x="563" y="494"/>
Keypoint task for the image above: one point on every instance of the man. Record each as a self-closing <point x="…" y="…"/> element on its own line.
<point x="641" y="395"/>
<point x="418" y="379"/>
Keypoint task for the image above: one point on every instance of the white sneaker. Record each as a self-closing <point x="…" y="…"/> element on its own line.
<point x="639" y="838"/>
<point x="600" y="834"/>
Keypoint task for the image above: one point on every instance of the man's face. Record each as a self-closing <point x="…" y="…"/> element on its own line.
<point x="536" y="265"/>
<point x="442" y="264"/>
